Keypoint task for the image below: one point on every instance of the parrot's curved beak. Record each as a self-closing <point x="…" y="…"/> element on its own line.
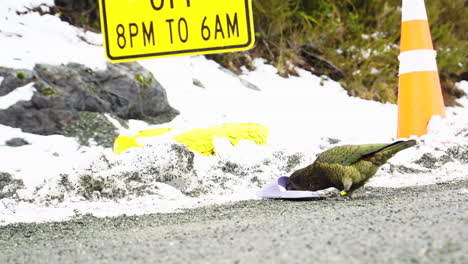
<point x="289" y="186"/>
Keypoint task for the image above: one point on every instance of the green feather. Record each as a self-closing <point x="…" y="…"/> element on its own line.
<point x="345" y="167"/>
<point x="348" y="154"/>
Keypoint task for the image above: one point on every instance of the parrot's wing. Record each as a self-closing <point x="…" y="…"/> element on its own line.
<point x="349" y="154"/>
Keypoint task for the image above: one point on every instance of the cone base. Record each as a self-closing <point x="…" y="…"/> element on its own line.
<point x="419" y="98"/>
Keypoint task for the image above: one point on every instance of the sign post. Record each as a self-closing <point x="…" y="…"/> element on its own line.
<point x="143" y="29"/>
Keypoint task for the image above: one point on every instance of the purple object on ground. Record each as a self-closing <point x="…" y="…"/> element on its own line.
<point x="277" y="190"/>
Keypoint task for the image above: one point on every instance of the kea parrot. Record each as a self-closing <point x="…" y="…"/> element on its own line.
<point x="346" y="167"/>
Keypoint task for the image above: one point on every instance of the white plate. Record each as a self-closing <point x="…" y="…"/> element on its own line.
<point x="277" y="190"/>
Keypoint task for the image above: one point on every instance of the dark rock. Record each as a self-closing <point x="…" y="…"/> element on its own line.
<point x="92" y="125"/>
<point x="163" y="118"/>
<point x="17" y="142"/>
<point x="126" y="90"/>
<point x="13" y="78"/>
<point x="38" y="121"/>
<point x="133" y="91"/>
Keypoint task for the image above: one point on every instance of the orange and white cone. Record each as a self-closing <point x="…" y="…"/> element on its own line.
<point x="419" y="91"/>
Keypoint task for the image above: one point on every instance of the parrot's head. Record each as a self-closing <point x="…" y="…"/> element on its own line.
<point x="307" y="178"/>
<point x="297" y="180"/>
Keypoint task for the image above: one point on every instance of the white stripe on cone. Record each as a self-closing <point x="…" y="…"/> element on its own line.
<point x="413" y="10"/>
<point x="417" y="60"/>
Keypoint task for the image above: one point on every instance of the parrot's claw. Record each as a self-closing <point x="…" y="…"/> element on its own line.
<point x="344" y="195"/>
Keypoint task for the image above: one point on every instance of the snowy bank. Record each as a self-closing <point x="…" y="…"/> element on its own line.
<point x="305" y="115"/>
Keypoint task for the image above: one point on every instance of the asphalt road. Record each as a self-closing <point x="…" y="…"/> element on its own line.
<point x="427" y="224"/>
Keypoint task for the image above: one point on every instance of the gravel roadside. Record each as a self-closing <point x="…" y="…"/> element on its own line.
<point x="425" y="224"/>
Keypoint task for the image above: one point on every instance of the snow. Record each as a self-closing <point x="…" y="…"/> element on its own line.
<point x="305" y="115"/>
<point x="24" y="93"/>
<point x="24" y="5"/>
<point x="44" y="39"/>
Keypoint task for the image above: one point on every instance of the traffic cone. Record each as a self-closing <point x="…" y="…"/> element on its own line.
<point x="419" y="91"/>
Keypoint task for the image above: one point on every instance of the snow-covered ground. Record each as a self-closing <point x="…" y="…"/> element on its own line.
<point x="305" y="115"/>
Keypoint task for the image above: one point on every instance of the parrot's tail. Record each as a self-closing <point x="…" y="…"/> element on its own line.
<point x="399" y="145"/>
<point x="381" y="156"/>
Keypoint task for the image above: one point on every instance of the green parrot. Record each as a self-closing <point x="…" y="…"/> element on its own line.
<point x="346" y="168"/>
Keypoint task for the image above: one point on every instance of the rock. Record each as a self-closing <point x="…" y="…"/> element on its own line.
<point x="333" y="141"/>
<point x="13" y="78"/>
<point x="92" y="125"/>
<point x="197" y="82"/>
<point x="244" y="82"/>
<point x="126" y="90"/>
<point x="17" y="142"/>
<point x="133" y="92"/>
<point x="38" y="121"/>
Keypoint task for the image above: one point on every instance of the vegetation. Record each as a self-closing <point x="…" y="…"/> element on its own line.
<point x="20" y="75"/>
<point x="82" y="13"/>
<point x="49" y="91"/>
<point x="355" y="42"/>
<point x="144" y="82"/>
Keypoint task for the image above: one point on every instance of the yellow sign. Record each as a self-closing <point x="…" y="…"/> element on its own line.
<point x="141" y="29"/>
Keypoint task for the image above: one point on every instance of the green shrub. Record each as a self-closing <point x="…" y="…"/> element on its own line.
<point x="20" y="75"/>
<point x="355" y="42"/>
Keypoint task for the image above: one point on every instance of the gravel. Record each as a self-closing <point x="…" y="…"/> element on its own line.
<point x="426" y="224"/>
